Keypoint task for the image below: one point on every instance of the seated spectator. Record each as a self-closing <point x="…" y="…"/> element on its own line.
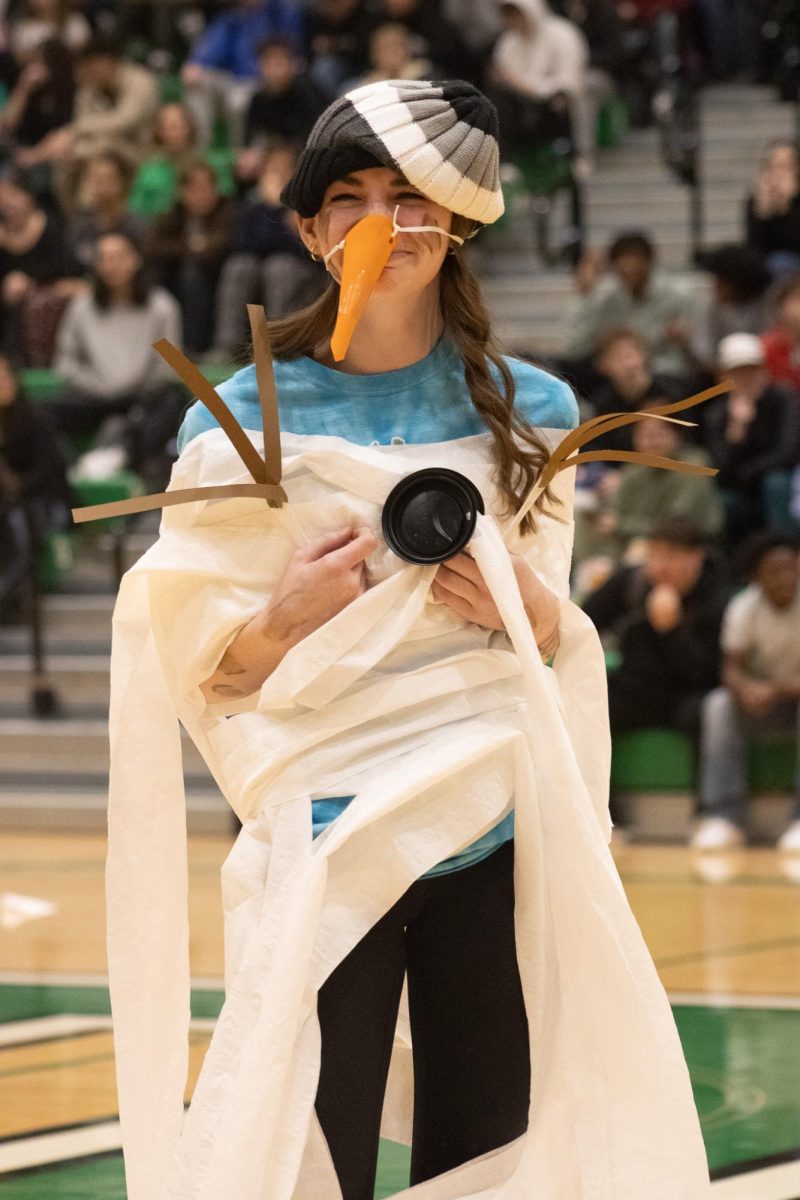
<point x="626" y="380"/>
<point x="738" y="302"/>
<point x="188" y="246"/>
<point x="636" y="294"/>
<point x="42" y="102"/>
<point x="432" y="36"/>
<point x="391" y="57"/>
<point x="105" y="354"/>
<point x="600" y="25"/>
<point x="283" y="109"/>
<point x="623" y="518"/>
<point x="105" y="185"/>
<point x="665" y="615"/>
<point x="32" y="467"/>
<point x="646" y="497"/>
<point x="174" y="145"/>
<point x="760" y="695"/>
<point x="538" y="73"/>
<point x="46" y="20"/>
<point x="782" y="341"/>
<point x="114" y="106"/>
<point x="269" y="264"/>
<point x="753" y="438"/>
<point x="773" y="209"/>
<point x="340" y="32"/>
<point x="222" y="70"/>
<point x="480" y="24"/>
<point x="37" y="273"/>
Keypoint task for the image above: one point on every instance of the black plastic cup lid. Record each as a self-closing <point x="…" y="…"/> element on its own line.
<point x="430" y="515"/>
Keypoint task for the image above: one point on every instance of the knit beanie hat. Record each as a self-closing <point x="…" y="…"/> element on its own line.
<point x="441" y="136"/>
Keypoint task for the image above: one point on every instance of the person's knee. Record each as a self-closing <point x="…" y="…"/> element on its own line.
<point x="719" y="709"/>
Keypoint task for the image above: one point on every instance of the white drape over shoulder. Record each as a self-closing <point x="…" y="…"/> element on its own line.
<point x="436" y="726"/>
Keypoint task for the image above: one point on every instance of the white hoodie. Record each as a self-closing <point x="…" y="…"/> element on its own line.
<point x="552" y="57"/>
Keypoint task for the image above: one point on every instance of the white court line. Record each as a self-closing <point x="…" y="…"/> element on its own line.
<point x="732" y="1000"/>
<point x="40" y="1029"/>
<point x="771" y="1183"/>
<point x="202" y="983"/>
<point x="55" y="1147"/>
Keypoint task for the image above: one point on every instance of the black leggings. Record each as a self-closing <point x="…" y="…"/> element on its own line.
<point x="454" y="936"/>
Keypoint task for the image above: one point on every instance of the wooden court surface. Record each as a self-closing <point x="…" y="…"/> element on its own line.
<point x="728" y="952"/>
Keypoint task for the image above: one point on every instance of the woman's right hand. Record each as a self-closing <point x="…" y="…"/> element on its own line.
<point x="320" y="580"/>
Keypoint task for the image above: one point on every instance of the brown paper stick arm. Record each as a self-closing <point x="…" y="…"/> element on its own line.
<point x="197" y="383"/>
<point x="138" y="504"/>
<point x="267" y="392"/>
<point x="639" y="457"/>
<point x="596" y="426"/>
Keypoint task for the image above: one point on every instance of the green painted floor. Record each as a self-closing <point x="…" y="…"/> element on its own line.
<point x="743" y="1064"/>
<point x="103" y="1179"/>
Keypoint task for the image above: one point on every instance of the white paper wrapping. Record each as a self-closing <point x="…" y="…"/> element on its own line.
<point x="434" y="725"/>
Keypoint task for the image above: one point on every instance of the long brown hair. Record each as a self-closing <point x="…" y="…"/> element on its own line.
<point x="466" y="322"/>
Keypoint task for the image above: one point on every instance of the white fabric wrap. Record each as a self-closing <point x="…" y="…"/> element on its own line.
<point x="435" y="726"/>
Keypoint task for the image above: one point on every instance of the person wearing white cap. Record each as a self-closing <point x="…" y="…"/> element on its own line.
<point x="753" y="438"/>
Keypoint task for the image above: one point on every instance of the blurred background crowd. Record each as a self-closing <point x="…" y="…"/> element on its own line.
<point x="143" y="150"/>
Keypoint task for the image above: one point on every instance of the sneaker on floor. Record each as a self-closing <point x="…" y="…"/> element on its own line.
<point x="790" y="840"/>
<point x="717" y="833"/>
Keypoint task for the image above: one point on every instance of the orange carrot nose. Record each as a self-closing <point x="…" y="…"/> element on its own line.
<point x="366" y="252"/>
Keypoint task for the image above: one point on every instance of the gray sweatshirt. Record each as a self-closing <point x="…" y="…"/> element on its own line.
<point x="108" y="352"/>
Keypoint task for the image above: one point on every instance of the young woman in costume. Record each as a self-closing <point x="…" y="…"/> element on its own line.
<point x="422" y="366"/>
<point x="422" y="798"/>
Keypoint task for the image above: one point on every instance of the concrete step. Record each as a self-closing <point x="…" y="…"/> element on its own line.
<point x="85" y="808"/>
<point x="80" y="680"/>
<point x="670" y="816"/>
<point x="67" y="747"/>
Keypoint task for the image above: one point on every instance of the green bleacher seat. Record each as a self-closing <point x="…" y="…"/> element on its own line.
<point x="661" y="760"/>
<point x="122" y="485"/>
<point x="170" y="89"/>
<point x="612" y="122"/>
<point x="41" y="384"/>
<point x="652" y="760"/>
<point x="56" y="560"/>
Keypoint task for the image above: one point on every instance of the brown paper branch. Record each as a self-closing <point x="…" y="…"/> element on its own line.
<point x="563" y="455"/>
<point x="265" y="472"/>
<point x="587" y="431"/>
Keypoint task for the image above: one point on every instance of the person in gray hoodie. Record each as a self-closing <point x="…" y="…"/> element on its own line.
<point x="538" y="68"/>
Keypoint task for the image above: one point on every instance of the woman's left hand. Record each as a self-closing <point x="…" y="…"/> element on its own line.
<point x="460" y="585"/>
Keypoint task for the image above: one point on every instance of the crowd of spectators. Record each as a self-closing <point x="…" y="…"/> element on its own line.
<point x="142" y="161"/>
<point x="657" y="556"/>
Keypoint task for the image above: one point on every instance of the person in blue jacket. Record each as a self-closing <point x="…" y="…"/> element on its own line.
<point x="222" y="72"/>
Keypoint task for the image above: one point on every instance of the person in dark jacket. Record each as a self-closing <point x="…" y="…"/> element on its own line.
<point x="772" y="212"/>
<point x="269" y="264"/>
<point x="188" y="245"/>
<point x="37" y="275"/>
<point x="433" y="37"/>
<point x="340" y="32"/>
<point x="34" y="493"/>
<point x="753" y="438"/>
<point x="287" y="102"/>
<point x="665" y="616"/>
<point x="284" y="108"/>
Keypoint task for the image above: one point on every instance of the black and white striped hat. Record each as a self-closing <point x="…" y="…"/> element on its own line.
<point x="441" y="136"/>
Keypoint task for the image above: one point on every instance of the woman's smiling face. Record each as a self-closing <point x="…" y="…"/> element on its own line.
<point x="416" y="258"/>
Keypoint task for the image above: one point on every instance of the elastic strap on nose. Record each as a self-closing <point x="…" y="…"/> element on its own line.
<point x="398" y="229"/>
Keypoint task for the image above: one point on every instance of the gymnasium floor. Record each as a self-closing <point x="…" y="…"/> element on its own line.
<point x="728" y="951"/>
